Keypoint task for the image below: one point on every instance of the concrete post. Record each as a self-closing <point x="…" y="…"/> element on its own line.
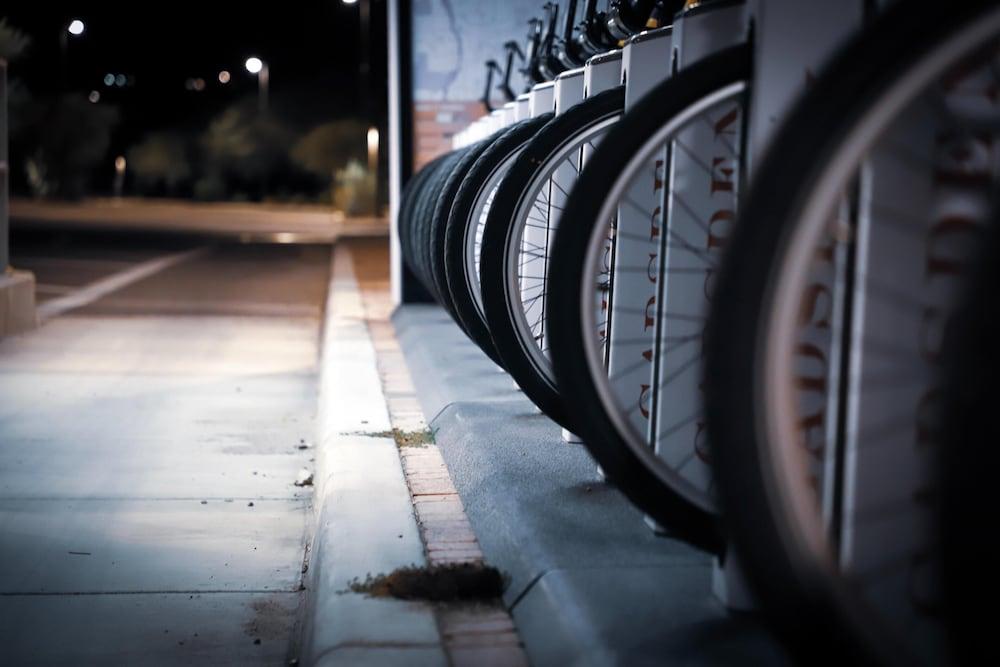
<point x="17" y="288"/>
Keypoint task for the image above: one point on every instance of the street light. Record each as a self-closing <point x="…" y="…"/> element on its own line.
<point x="364" y="62"/>
<point x="257" y="66"/>
<point x="74" y="28"/>
<point x="119" y="184"/>
<point x="373" y="165"/>
<point x="372" y="149"/>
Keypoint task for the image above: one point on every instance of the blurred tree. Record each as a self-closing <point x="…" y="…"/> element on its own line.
<point x="21" y="106"/>
<point x="331" y="147"/>
<point x="245" y="151"/>
<point x="354" y="189"/>
<point x="71" y="138"/>
<point x="13" y="42"/>
<point x="161" y="163"/>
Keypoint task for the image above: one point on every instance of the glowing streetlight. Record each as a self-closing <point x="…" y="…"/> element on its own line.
<point x="257" y="66"/>
<point x="372" y="149"/>
<point x="373" y="164"/>
<point x="224" y="76"/>
<point x="74" y="28"/>
<point x="119" y="183"/>
<point x="350" y="2"/>
<point x="254" y="65"/>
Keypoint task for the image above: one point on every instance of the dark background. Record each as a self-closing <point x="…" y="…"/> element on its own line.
<point x="313" y="49"/>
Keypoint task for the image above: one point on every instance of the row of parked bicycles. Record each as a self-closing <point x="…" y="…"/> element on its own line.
<point x="753" y="269"/>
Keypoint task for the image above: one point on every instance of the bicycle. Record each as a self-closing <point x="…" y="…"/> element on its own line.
<point x="604" y="280"/>
<point x="823" y="375"/>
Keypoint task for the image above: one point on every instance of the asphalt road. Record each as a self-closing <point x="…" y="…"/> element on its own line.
<point x="152" y="432"/>
<point x="244" y="221"/>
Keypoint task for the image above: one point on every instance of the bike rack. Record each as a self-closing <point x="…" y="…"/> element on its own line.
<point x="522" y="111"/>
<point x="509" y="113"/>
<point x="569" y="88"/>
<point x="892" y="189"/>
<point x="791" y="41"/>
<point x="602" y="72"/>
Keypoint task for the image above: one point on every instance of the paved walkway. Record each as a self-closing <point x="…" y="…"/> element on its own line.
<point x="148" y="511"/>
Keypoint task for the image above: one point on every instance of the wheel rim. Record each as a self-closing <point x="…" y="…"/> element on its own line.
<point x="616" y="399"/>
<point x="862" y="236"/>
<point x="473" y="237"/>
<point x="526" y="288"/>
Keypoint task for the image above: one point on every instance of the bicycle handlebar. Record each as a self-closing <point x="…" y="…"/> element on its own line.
<point x="512" y="49"/>
<point x="491" y="68"/>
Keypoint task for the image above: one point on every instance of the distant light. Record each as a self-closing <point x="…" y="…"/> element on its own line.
<point x="120" y="163"/>
<point x="199" y="84"/>
<point x="254" y="65"/>
<point x="76" y="27"/>
<point x="109" y="79"/>
<point x="94" y="97"/>
<point x="372" y="139"/>
<point x="224" y="76"/>
<point x="121" y="80"/>
<point x="350" y="2"/>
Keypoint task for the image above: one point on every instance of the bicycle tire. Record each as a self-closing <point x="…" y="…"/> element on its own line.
<point x="461" y="279"/>
<point x="621" y="464"/>
<point x="439" y="223"/>
<point x="422" y="218"/>
<point x="802" y="598"/>
<point x="968" y="499"/>
<point x="408" y="201"/>
<point x="499" y="301"/>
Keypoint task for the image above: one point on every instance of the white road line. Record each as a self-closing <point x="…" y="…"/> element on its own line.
<point x="99" y="288"/>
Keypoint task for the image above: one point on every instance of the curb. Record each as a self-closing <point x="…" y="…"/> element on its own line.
<point x="590" y="584"/>
<point x="364" y="516"/>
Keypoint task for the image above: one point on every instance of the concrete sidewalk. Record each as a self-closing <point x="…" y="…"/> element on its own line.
<point x="148" y="506"/>
<point x="382" y="504"/>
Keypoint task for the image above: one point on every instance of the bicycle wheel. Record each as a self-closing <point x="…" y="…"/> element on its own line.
<point x="423" y="207"/>
<point x="407" y="211"/>
<point x="969" y="459"/>
<point x="519" y="228"/>
<point x="435" y="191"/>
<point x="439" y="222"/>
<point x="464" y="231"/>
<point x="607" y="282"/>
<point x="823" y="375"/>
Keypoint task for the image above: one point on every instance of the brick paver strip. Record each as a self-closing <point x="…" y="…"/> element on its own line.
<point x="480" y="635"/>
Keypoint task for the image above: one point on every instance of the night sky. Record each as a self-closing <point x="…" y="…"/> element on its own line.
<point x="312" y="48"/>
